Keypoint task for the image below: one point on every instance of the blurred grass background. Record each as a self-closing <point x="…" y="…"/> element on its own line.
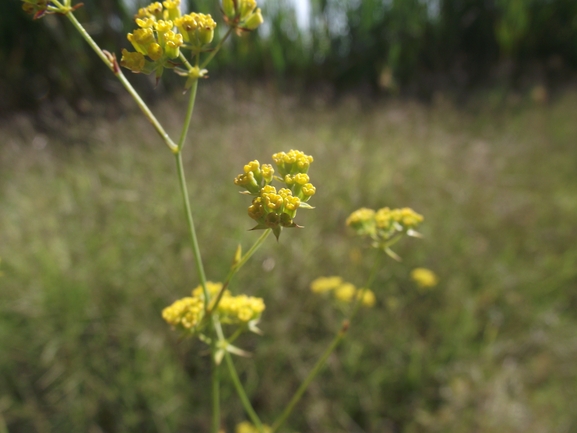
<point x="93" y="246"/>
<point x="409" y="47"/>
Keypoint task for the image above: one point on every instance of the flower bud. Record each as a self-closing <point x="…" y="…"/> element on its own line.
<point x="253" y="21"/>
<point x="197" y="29"/>
<point x="154" y="51"/>
<point x="245" y="7"/>
<point x="228" y="7"/>
<point x="141" y="40"/>
<point x="172" y="9"/>
<point x="172" y="42"/>
<point x="155" y="10"/>
<point x="132" y="60"/>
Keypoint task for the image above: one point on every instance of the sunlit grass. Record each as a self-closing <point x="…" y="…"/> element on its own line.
<point x="93" y="246"/>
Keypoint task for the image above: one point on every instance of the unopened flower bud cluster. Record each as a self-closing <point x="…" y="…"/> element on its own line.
<point x="276" y="209"/>
<point x="187" y="313"/>
<point x="242" y="14"/>
<point x="384" y="224"/>
<point x="342" y="291"/>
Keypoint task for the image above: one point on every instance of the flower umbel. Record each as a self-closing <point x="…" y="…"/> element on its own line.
<point x="342" y="291"/>
<point x="160" y="35"/>
<point x="385" y="226"/>
<point x="270" y="208"/>
<point x="186" y="314"/>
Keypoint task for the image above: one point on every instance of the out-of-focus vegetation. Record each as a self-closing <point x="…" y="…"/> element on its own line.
<point x="410" y="46"/>
<point x="93" y="246"/>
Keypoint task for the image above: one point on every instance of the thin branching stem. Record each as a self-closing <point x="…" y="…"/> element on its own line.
<point x="341" y="334"/>
<point x="189" y="111"/>
<point x="216" y="49"/>
<point x="237" y="384"/>
<point x="110" y="61"/>
<point x="313" y="373"/>
<point x="235" y="268"/>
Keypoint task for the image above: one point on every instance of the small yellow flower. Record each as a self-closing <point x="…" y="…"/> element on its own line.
<point x="424" y="278"/>
<point x="254" y="20"/>
<point x="325" y="284"/>
<point x="345" y="292"/>
<point x="155" y="10"/>
<point x="146" y="22"/>
<point x="247" y="427"/>
<point x="171" y="9"/>
<point x="211" y="288"/>
<point x="362" y="221"/>
<point x="163" y="26"/>
<point x="172" y="42"/>
<point x="256" y="210"/>
<point x="185" y="313"/>
<point x="132" y="60"/>
<point x="141" y="39"/>
<point x="368" y="298"/>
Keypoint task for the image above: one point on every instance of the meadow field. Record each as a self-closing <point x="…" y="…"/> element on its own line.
<point x="93" y="245"/>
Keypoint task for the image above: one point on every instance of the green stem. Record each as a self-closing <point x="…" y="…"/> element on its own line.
<point x="236" y="382"/>
<point x="190" y="223"/>
<point x="185" y="61"/>
<point x="316" y="369"/>
<point x="370" y="279"/>
<point x="216" y="49"/>
<point x="334" y="344"/>
<point x="110" y="61"/>
<point x="215" y="426"/>
<point x="242" y="394"/>
<point x="215" y="393"/>
<point x="235" y="268"/>
<point x="189" y="110"/>
<point x="248" y="254"/>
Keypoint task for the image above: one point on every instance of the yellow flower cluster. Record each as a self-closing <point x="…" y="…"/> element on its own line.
<point x="187" y="313"/>
<point x="247" y="427"/>
<point x="255" y="177"/>
<point x="424" y="278"/>
<point x="232" y="309"/>
<point x="292" y="162"/>
<point x="161" y="32"/>
<point x="384" y="225"/>
<point x="406" y="218"/>
<point x="342" y="291"/>
<point x="242" y="14"/>
<point x="196" y="29"/>
<point x="276" y="209"/>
